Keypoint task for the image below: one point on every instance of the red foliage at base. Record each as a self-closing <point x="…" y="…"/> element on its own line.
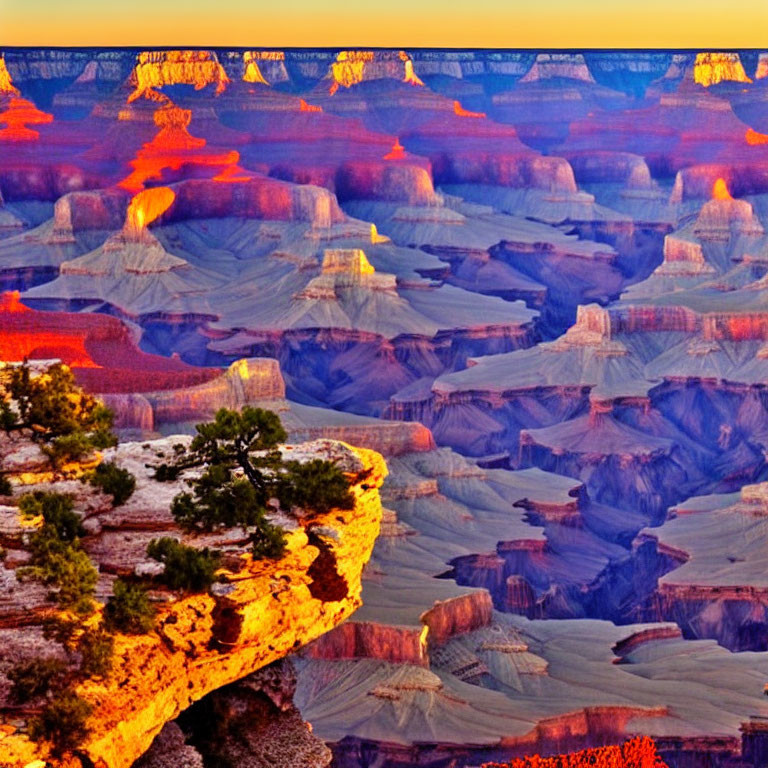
<point x="639" y="752"/>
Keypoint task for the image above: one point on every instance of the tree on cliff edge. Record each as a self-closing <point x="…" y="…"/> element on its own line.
<point x="54" y="411"/>
<point x="245" y="471"/>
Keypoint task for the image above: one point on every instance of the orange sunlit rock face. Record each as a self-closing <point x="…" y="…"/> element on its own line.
<point x="173" y="123"/>
<point x="172" y="147"/>
<point x="155" y="69"/>
<point x="20" y="114"/>
<point x="410" y="76"/>
<point x="304" y="107"/>
<point x="461" y="112"/>
<point x="397" y="152"/>
<point x="155" y="676"/>
<point x="146" y="206"/>
<point x="348" y="68"/>
<point x="753" y="137"/>
<point x="22" y="342"/>
<point x="233" y="174"/>
<point x="352" y="67"/>
<point x="720" y="190"/>
<point x="639" y="752"/>
<point x="10" y="303"/>
<point x="252" y="73"/>
<point x="6" y="84"/>
<point x="712" y="68"/>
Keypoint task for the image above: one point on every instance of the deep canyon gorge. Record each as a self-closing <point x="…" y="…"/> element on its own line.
<point x="519" y="299"/>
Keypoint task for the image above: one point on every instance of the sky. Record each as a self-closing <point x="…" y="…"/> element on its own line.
<point x="394" y="23"/>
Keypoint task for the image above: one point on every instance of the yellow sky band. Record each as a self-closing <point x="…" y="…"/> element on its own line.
<point x="396" y="23"/>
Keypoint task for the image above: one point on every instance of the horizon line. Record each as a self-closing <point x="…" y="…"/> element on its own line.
<point x="341" y="47"/>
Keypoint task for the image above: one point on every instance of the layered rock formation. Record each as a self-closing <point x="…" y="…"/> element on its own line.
<point x="555" y="262"/>
<point x="204" y="642"/>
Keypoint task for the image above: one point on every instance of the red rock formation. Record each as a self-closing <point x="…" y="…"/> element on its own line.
<point x="172" y="148"/>
<point x="636" y="639"/>
<point x="361" y="180"/>
<point x="304" y="107"/>
<point x="639" y="752"/>
<point x="520" y="597"/>
<point x="753" y="137"/>
<point x="100" y="349"/>
<point x="256" y="198"/>
<point x="245" y="381"/>
<point x="17" y="113"/>
<point x="10" y="303"/>
<point x="17" y="116"/>
<point x="370" y="640"/>
<point x="456" y="616"/>
<point x="461" y="112"/>
<point x="28" y="179"/>
<point x="397" y="152"/>
<point x="388" y="438"/>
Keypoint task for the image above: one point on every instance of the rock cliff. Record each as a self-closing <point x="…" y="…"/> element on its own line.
<point x="263" y="611"/>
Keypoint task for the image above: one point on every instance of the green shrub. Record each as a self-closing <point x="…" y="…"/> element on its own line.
<point x="34" y="678"/>
<point x="72" y="574"/>
<point x="61" y="629"/>
<point x="219" y="501"/>
<point x="317" y="486"/>
<point x="67" y="448"/>
<point x="63" y="722"/>
<point x="268" y="541"/>
<point x="60" y="521"/>
<point x="96" y="647"/>
<point x="114" y="480"/>
<point x="67" y="569"/>
<point x="186" y="568"/>
<point x="166" y="473"/>
<point x="128" y="610"/>
<point x="57" y="559"/>
<point x="6" y="489"/>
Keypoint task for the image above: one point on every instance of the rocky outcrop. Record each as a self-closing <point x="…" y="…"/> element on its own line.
<point x="353" y="67"/>
<point x="244" y="382"/>
<point x="457" y="616"/>
<point x="712" y="68"/>
<point x="380" y="181"/>
<point x="157" y="69"/>
<point x="259" y="198"/>
<point x="257" y="382"/>
<point x="170" y="749"/>
<point x="559" y="65"/>
<point x="203" y="642"/>
<point x="371" y="640"/>
<point x="254" y="722"/>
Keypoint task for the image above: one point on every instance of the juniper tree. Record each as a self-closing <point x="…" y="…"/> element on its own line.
<point x="55" y="411"/>
<point x="186" y="568"/>
<point x="128" y="610"/>
<point x="113" y="480"/>
<point x="57" y="558"/>
<point x="245" y="470"/>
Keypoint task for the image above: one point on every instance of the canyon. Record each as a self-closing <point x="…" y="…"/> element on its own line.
<point x="520" y="296"/>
